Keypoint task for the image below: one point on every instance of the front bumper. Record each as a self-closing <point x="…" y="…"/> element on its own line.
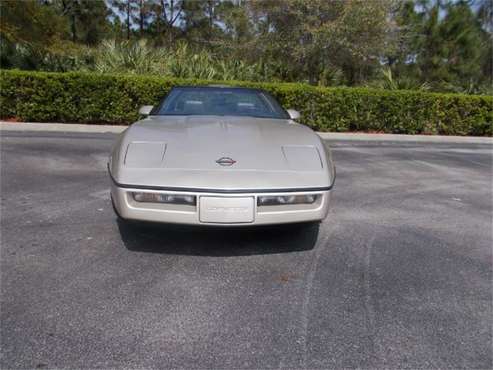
<point x="128" y="208"/>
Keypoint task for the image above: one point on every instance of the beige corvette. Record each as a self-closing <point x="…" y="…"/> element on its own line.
<point x="220" y="156"/>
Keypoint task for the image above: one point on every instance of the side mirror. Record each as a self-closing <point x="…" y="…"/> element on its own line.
<point x="145" y="110"/>
<point x="293" y="114"/>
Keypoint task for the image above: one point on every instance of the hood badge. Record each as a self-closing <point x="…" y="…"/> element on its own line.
<point x="226" y="161"/>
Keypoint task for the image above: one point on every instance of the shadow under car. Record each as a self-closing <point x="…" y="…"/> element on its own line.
<point x="217" y="241"/>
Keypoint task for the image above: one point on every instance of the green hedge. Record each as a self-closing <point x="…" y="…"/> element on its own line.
<point x="115" y="99"/>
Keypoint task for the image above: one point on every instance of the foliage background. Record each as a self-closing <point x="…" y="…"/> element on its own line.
<point x="432" y="45"/>
<point x="88" y="97"/>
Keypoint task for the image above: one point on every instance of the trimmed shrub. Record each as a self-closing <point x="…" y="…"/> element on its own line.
<point x="115" y="99"/>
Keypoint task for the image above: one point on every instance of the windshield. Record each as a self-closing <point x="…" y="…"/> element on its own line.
<point x="220" y="101"/>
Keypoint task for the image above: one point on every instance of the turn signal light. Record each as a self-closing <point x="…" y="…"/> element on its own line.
<point x="270" y="200"/>
<point x="184" y="199"/>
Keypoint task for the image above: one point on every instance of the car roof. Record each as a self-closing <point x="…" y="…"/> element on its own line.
<point x="217" y="87"/>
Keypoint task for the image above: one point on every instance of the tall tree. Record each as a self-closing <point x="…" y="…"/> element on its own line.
<point x="485" y="13"/>
<point x="461" y="33"/>
<point x="31" y="22"/>
<point x="125" y="9"/>
<point x="319" y="34"/>
<point x="167" y="15"/>
<point x="200" y="21"/>
<point x="447" y="43"/>
<point x="87" y="18"/>
<point x="143" y="15"/>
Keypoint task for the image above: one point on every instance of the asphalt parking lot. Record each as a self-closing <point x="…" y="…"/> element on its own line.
<point x="398" y="276"/>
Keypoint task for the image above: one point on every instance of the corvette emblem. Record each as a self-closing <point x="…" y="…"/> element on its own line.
<point x="226" y="161"/>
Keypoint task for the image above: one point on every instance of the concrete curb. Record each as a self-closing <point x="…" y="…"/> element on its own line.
<point x="339" y="136"/>
<point x="336" y="136"/>
<point x="59" y="127"/>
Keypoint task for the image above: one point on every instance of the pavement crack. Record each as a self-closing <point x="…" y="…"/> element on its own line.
<point x="369" y="309"/>
<point x="305" y="307"/>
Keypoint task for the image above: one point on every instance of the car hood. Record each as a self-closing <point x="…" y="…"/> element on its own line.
<point x="182" y="151"/>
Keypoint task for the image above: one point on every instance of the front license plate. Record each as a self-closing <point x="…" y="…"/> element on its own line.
<point x="226" y="210"/>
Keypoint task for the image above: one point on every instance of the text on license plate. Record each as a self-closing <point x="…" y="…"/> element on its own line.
<point x="226" y="210"/>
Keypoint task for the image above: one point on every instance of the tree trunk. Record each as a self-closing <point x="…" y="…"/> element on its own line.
<point x="141" y="17"/>
<point x="73" y="27"/>
<point x="128" y="19"/>
<point x="170" y="23"/>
